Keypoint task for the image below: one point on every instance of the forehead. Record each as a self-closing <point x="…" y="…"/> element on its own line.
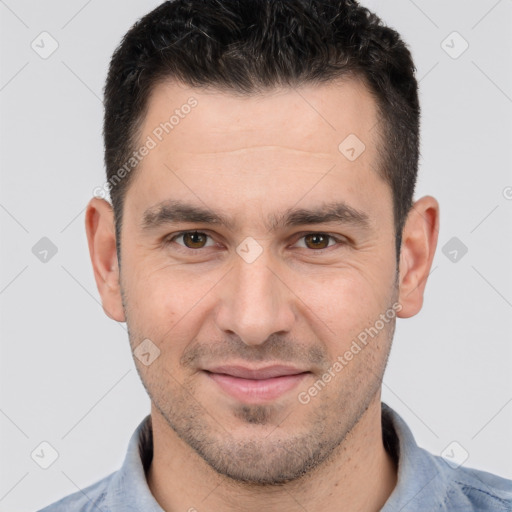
<point x="327" y="112"/>
<point x="229" y="150"/>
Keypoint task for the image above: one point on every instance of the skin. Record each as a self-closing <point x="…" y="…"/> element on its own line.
<point x="250" y="158"/>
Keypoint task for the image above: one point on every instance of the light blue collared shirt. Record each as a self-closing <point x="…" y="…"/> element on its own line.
<point x="426" y="482"/>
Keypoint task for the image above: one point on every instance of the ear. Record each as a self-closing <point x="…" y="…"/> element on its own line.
<point x="99" y="226"/>
<point x="419" y="242"/>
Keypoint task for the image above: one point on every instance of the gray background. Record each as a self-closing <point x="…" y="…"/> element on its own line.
<point x="66" y="370"/>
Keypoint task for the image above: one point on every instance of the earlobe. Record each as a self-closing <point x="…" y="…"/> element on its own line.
<point x="419" y="242"/>
<point x="99" y="226"/>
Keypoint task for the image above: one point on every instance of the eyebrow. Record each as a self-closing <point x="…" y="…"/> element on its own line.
<point x="175" y="211"/>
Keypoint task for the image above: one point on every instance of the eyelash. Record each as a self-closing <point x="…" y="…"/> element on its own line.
<point x="339" y="241"/>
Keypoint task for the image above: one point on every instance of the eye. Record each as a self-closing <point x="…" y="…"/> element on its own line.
<point x="319" y="241"/>
<point x="196" y="240"/>
<point x="191" y="239"/>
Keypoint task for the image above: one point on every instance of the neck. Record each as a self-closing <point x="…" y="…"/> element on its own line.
<point x="359" y="476"/>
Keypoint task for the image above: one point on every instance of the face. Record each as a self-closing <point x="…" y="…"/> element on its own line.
<point x="254" y="309"/>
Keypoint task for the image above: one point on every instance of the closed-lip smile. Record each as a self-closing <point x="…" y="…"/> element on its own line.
<point x="255" y="385"/>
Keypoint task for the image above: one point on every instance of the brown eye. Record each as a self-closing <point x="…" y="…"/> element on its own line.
<point x="317" y="240"/>
<point x="189" y="242"/>
<point x="194" y="239"/>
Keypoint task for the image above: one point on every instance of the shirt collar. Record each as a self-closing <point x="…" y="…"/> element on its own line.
<point x="128" y="489"/>
<point x="418" y="483"/>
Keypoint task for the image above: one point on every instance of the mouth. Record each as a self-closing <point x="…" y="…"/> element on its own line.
<point x="256" y="385"/>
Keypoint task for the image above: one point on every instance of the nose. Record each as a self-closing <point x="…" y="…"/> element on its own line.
<point x="255" y="302"/>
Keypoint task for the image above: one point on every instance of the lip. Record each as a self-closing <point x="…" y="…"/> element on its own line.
<point x="254" y="385"/>
<point x="266" y="372"/>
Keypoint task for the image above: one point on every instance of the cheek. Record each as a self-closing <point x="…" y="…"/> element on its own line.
<point x="163" y="298"/>
<point x="342" y="305"/>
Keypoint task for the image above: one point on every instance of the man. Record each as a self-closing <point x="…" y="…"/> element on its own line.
<point x="261" y="160"/>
